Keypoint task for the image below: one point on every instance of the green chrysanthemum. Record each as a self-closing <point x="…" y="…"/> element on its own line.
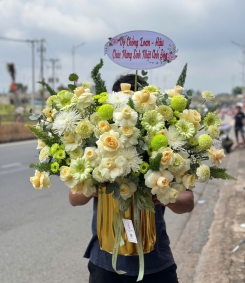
<point x="80" y="169"/>
<point x="165" y="111"/>
<point x="205" y="141"/>
<point x="54" y="148"/>
<point x="63" y="99"/>
<point x="211" y="119"/>
<point x="178" y="102"/>
<point x="177" y="164"/>
<point x="173" y="121"/>
<point x="153" y="89"/>
<point x="144" y="166"/>
<point x="102" y="99"/>
<point x="50" y="100"/>
<point x="60" y="154"/>
<point x="159" y="141"/>
<point x="203" y="173"/>
<point x="214" y="132"/>
<point x="135" y="173"/>
<point x="86" y="85"/>
<point x="55" y="167"/>
<point x="84" y="128"/>
<point x="105" y="112"/>
<point x="95" y="118"/>
<point x="150" y="150"/>
<point x="152" y="121"/>
<point x="176" y="114"/>
<point x="61" y="146"/>
<point x="185" y="129"/>
<point x="68" y="161"/>
<point x="193" y="141"/>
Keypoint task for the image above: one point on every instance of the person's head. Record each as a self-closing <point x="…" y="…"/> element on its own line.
<point x="238" y="108"/>
<point x="130" y="79"/>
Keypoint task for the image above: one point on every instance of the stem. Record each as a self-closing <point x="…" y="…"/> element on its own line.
<point x="201" y="103"/>
<point x="136" y="80"/>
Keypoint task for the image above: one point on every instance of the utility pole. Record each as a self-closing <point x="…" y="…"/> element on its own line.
<point x="53" y="62"/>
<point x="243" y="64"/>
<point x="32" y="41"/>
<point x="42" y="49"/>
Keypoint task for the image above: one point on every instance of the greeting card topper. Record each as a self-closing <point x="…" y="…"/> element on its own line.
<point x="141" y="50"/>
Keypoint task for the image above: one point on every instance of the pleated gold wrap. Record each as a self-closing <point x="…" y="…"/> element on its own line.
<point x="107" y="212"/>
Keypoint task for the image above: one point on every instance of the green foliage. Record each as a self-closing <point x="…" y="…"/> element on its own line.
<point x="49" y="89"/>
<point x="131" y="103"/>
<point x="42" y="167"/>
<point x="73" y="77"/>
<point x="237" y="90"/>
<point x="113" y="187"/>
<point x="144" y="202"/>
<point x="71" y="87"/>
<point x="182" y="77"/>
<point x="40" y="134"/>
<point x="220" y="173"/>
<point x="155" y="162"/>
<point x="99" y="83"/>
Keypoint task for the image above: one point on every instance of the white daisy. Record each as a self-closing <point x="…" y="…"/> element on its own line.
<point x="117" y="99"/>
<point x="66" y="122"/>
<point x="133" y="160"/>
<point x="175" y="140"/>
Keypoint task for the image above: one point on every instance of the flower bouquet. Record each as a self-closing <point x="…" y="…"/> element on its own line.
<point x="129" y="146"/>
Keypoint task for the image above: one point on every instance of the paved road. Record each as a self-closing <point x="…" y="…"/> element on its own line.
<point x="42" y="237"/>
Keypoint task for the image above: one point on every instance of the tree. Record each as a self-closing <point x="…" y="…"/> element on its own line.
<point x="237" y="90"/>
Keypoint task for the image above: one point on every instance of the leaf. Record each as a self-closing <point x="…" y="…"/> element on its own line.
<point x="73" y="77"/>
<point x="111" y="187"/>
<point x="189" y="93"/>
<point x="34" y="117"/>
<point x="144" y="73"/>
<point x="72" y="87"/>
<point x="146" y="79"/>
<point x="49" y="89"/>
<point x="49" y="126"/>
<point x="116" y="192"/>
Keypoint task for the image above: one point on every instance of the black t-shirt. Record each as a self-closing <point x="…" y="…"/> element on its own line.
<point x="239" y="119"/>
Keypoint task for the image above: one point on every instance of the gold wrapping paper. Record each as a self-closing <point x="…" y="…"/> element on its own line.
<point x="107" y="211"/>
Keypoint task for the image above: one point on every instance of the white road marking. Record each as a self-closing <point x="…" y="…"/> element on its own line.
<point x="18" y="143"/>
<point x="11" y="165"/>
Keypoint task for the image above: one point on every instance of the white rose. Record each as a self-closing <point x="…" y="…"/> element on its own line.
<point x="44" y="154"/>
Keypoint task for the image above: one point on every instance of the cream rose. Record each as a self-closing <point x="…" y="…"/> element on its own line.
<point x="188" y="181"/>
<point x="65" y="176"/>
<point x="44" y="154"/>
<point x="40" y="144"/>
<point x="86" y="188"/>
<point x="167" y="156"/>
<point x="40" y="180"/>
<point x="79" y="91"/>
<point x="178" y="89"/>
<point x="109" y="142"/>
<point x="71" y="141"/>
<point x="91" y="155"/>
<point x="171" y="92"/>
<point x="84" y="97"/>
<point x="192" y="116"/>
<point x="144" y="99"/>
<point x="215" y="155"/>
<point x="104" y="126"/>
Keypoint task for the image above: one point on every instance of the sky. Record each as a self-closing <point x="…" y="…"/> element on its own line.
<point x="203" y="31"/>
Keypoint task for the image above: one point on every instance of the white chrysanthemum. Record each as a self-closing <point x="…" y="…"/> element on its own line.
<point x="214" y="131"/>
<point x="129" y="135"/>
<point x="111" y="168"/>
<point x="65" y="176"/>
<point x="203" y="173"/>
<point x="126" y="188"/>
<point x="178" y="163"/>
<point x="86" y="188"/>
<point x="133" y="160"/>
<point x="80" y="169"/>
<point x="125" y="116"/>
<point x="95" y="118"/>
<point x="175" y="140"/>
<point x="208" y="96"/>
<point x="86" y="85"/>
<point x="92" y="156"/>
<point x="66" y="122"/>
<point x="71" y="141"/>
<point x="117" y="99"/>
<point x="97" y="175"/>
<point x="44" y="154"/>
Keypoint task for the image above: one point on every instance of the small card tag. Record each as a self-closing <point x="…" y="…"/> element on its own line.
<point x="129" y="228"/>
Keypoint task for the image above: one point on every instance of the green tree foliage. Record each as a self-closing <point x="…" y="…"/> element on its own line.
<point x="237" y="90"/>
<point x="182" y="77"/>
<point x="99" y="83"/>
